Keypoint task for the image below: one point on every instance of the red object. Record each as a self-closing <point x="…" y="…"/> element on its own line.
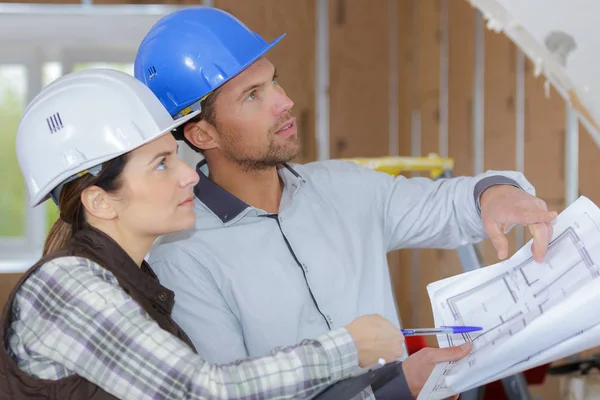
<point x="534" y="376"/>
<point x="414" y="343"/>
<point x="493" y="390"/>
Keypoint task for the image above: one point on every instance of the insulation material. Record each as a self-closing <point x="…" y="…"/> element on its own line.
<point x="560" y="38"/>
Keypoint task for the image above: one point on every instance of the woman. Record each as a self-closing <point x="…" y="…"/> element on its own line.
<point x="90" y="320"/>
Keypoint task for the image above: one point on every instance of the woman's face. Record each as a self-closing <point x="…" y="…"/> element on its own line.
<point x="156" y="196"/>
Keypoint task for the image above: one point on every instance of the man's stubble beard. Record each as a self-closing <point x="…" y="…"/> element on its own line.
<point x="275" y="155"/>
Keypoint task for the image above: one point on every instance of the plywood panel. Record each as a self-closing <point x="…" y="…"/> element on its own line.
<point x="105" y="1"/>
<point x="544" y="141"/>
<point x="499" y="115"/>
<point x="7" y="282"/>
<point x="436" y="264"/>
<point x="359" y="77"/>
<point x="405" y="72"/>
<point x="460" y="104"/>
<point x="544" y="137"/>
<point x="428" y="103"/>
<point x="171" y="2"/>
<point x="429" y="74"/>
<point x="461" y="65"/>
<point x="294" y="56"/>
<point x="589" y="155"/>
<point x="400" y="261"/>
<point x="43" y="1"/>
<point x="549" y="390"/>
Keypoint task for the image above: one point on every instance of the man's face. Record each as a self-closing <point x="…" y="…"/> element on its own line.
<point x="254" y="121"/>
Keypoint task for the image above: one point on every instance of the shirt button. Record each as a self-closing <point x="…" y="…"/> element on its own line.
<point x="162" y="296"/>
<point x="329" y="319"/>
<point x="280" y="219"/>
<point x="305" y="268"/>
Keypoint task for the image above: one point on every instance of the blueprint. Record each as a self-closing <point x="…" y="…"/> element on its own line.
<point x="531" y="313"/>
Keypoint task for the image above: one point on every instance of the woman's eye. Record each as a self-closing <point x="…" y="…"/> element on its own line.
<point x="161" y="166"/>
<point x="251" y="96"/>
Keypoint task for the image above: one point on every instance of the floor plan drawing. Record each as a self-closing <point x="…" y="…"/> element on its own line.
<point x="527" y="309"/>
<point x="525" y="291"/>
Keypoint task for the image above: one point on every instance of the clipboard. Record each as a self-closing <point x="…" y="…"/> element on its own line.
<point x="376" y="376"/>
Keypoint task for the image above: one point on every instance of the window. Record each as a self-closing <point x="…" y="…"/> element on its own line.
<point x="123" y="67"/>
<point x="23" y="229"/>
<point x="24" y="70"/>
<point x="13" y="95"/>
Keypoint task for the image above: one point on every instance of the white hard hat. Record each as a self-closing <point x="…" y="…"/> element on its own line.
<point x="82" y="120"/>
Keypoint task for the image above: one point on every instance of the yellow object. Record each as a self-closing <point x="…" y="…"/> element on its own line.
<point x="433" y="163"/>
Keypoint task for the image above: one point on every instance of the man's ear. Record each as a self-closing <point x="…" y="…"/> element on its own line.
<point x="202" y="135"/>
<point x="97" y="203"/>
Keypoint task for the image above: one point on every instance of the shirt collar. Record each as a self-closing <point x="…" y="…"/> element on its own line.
<point x="224" y="204"/>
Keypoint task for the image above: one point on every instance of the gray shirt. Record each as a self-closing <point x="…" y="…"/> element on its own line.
<point x="246" y="281"/>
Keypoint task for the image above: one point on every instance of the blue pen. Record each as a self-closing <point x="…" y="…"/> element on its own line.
<point x="442" y="330"/>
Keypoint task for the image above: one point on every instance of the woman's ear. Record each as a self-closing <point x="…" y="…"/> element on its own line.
<point x="97" y="203"/>
<point x="202" y="135"/>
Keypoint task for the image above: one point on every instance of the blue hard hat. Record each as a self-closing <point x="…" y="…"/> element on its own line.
<point x="191" y="52"/>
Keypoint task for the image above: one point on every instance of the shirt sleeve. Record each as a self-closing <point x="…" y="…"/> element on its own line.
<point x="76" y="315"/>
<point x="414" y="212"/>
<point x="442" y="213"/>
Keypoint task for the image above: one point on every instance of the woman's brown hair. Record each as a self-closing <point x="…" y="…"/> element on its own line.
<point x="71" y="211"/>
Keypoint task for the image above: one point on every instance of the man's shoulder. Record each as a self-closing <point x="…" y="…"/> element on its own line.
<point x="176" y="239"/>
<point x="176" y="245"/>
<point x="329" y="169"/>
<point x="332" y="177"/>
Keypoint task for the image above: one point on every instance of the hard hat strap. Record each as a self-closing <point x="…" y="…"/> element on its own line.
<point x="196" y="106"/>
<point x="55" y="193"/>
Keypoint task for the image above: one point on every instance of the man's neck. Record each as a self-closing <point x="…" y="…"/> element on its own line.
<point x="259" y="188"/>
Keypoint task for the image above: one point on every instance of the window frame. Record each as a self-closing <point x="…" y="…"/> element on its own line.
<point x="32" y="48"/>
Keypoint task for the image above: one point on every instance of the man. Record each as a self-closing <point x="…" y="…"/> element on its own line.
<point x="284" y="252"/>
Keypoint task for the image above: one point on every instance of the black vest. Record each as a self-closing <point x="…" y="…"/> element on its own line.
<point x="140" y="283"/>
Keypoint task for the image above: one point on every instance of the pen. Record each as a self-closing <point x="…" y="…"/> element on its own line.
<point x="442" y="330"/>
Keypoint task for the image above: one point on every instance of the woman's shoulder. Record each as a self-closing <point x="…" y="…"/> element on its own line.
<point x="68" y="273"/>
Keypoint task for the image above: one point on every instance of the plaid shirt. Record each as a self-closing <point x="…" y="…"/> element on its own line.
<point x="72" y="317"/>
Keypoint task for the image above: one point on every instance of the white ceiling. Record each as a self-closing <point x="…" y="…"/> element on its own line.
<point x="562" y="38"/>
<point x="53" y="29"/>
